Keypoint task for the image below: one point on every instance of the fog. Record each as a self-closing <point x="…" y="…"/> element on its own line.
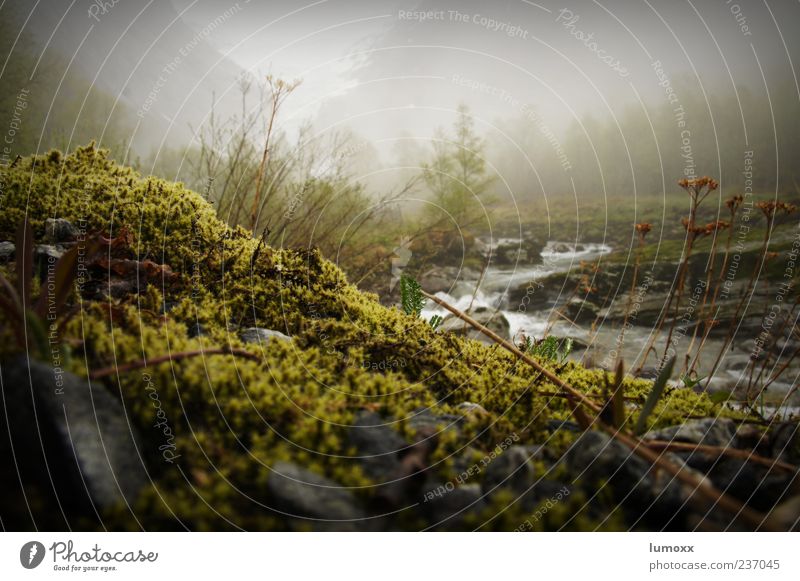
<point x="586" y="98"/>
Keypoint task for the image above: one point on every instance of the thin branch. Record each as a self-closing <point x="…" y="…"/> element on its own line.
<point x="705" y="492"/>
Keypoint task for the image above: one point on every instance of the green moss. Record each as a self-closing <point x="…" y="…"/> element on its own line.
<point x="231" y="417"/>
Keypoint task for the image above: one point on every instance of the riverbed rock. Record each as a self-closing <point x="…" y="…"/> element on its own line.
<point x="425" y="421"/>
<point x="511" y="470"/>
<point x="378" y="445"/>
<point x="580" y="311"/>
<point x="307" y="495"/>
<point x="59" y="230"/>
<point x="495" y="321"/>
<point x="658" y="500"/>
<point x="784" y="440"/>
<point x="705" y="431"/>
<point x="260" y="335"/>
<point x="45" y="257"/>
<point x="7" y="251"/>
<point x="787" y="514"/>
<point x="89" y="449"/>
<point x="448" y="509"/>
<point x="444" y="278"/>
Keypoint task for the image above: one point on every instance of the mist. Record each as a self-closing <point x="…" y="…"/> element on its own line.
<point x="583" y="99"/>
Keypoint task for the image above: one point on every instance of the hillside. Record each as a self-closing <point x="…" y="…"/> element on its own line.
<point x="262" y="391"/>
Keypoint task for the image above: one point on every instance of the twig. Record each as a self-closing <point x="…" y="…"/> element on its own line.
<point x="721" y="451"/>
<point x="705" y="491"/>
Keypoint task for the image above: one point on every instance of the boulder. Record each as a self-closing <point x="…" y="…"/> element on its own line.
<point x="706" y="431"/>
<point x="7" y="252"/>
<point x="71" y="433"/>
<point x="260" y="335"/>
<point x="306" y="495"/>
<point x="377" y="444"/>
<point x="493" y="320"/>
<point x="59" y="230"/>
<point x="512" y="470"/>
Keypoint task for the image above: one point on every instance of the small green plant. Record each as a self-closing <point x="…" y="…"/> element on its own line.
<point x="549" y="348"/>
<point x="655" y="394"/>
<point x="411" y="296"/>
<point x="435" y="321"/>
<point x="691" y="382"/>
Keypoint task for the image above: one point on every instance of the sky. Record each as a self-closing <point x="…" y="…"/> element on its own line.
<point x="391" y="68"/>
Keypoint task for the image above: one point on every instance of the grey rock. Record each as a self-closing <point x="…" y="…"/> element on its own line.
<point x="444" y="278"/>
<point x="304" y="494"/>
<point x="706" y="431"/>
<point x="58" y="230"/>
<point x="448" y="510"/>
<point x="787" y="514"/>
<point x="749" y="482"/>
<point x="580" y="311"/>
<point x="423" y="420"/>
<point x="784" y="440"/>
<point x="512" y="470"/>
<point x="566" y="425"/>
<point x="88" y="443"/>
<point x="596" y="460"/>
<point x="467" y="408"/>
<point x="7" y="252"/>
<point x="594" y="456"/>
<point x="45" y="257"/>
<point x="377" y="444"/>
<point x="494" y="320"/>
<point x="260" y="335"/>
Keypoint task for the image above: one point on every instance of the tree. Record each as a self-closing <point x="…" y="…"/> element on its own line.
<point x="457" y="176"/>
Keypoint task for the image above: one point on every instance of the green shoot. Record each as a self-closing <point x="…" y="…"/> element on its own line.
<point x="655" y="394"/>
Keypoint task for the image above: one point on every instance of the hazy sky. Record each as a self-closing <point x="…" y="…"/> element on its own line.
<point x="391" y="67"/>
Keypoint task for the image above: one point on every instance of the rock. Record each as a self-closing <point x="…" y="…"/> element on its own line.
<point x="787" y="514"/>
<point x="7" y="251"/>
<point x="596" y="460"/>
<point x="58" y="230"/>
<point x="532" y="296"/>
<point x="594" y="456"/>
<point x="448" y="509"/>
<point x="306" y="495"/>
<point x="423" y="420"/>
<point x="566" y="425"/>
<point x="445" y="278"/>
<point x="260" y="335"/>
<point x="580" y="311"/>
<point x="512" y="470"/>
<point x="751" y="483"/>
<point x="89" y="449"/>
<point x="468" y="408"/>
<point x="706" y="431"/>
<point x="45" y="257"/>
<point x="494" y="320"/>
<point x="650" y="373"/>
<point x="378" y="445"/>
<point x="784" y="440"/>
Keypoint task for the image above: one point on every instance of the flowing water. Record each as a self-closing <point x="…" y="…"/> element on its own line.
<point x="602" y="338"/>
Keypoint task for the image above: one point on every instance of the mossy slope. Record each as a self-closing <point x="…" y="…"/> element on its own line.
<point x="232" y="417"/>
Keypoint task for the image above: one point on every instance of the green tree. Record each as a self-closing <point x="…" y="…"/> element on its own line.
<point x="457" y="176"/>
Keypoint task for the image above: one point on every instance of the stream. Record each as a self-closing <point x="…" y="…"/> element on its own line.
<point x="602" y="340"/>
